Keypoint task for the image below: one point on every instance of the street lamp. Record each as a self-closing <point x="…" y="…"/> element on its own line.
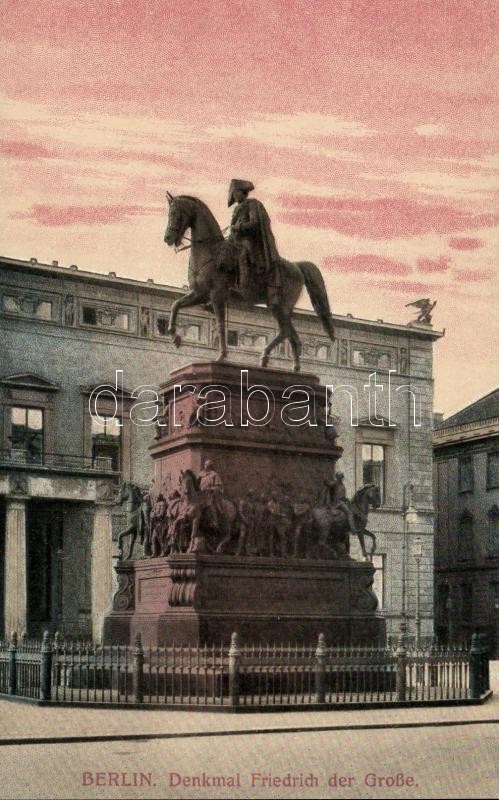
<point x="410" y="517"/>
<point x="417" y="550"/>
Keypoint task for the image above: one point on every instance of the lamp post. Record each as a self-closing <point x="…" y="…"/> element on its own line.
<point x="418" y="555"/>
<point x="410" y="516"/>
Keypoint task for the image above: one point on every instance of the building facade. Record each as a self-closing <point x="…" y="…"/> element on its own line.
<point x="466" y="453"/>
<point x="65" y="331"/>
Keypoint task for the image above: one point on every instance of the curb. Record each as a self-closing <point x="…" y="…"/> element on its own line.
<point x="245" y="732"/>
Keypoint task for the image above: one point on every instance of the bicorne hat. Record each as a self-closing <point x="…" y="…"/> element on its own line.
<point x="236" y="183"/>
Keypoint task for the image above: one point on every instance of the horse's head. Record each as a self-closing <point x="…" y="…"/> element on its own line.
<point x="370" y="494"/>
<point x="374" y="496"/>
<point x="122" y="494"/>
<point x="179" y="219"/>
<point x="189" y="482"/>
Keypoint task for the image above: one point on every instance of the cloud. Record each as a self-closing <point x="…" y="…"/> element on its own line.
<point x="465" y="243"/>
<point x="382" y="218"/>
<point x="404" y="287"/>
<point x="473" y="275"/>
<point x="442" y="183"/>
<point x="54" y="216"/>
<point x="370" y="264"/>
<point x="23" y="150"/>
<point x="431" y="129"/>
<point x="441" y="264"/>
<point x="314" y="134"/>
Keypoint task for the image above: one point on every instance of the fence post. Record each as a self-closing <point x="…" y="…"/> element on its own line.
<point x="485" y="663"/>
<point x="138" y="671"/>
<point x="234" y="663"/>
<point x="46" y="668"/>
<point x="320" y="669"/>
<point x="12" y="664"/>
<point x="401" y="656"/>
<point x="476" y="658"/>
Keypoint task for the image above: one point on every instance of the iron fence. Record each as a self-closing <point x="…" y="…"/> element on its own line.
<point x="241" y="676"/>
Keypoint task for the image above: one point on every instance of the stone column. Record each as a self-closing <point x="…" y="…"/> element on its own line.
<point x="16" y="572"/>
<point x="101" y="566"/>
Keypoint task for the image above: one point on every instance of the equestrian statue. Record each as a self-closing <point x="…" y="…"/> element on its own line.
<point x="245" y="265"/>
<point x="137" y="509"/>
<point x="325" y="531"/>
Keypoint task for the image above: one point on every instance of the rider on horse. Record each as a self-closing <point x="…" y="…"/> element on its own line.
<point x="252" y="236"/>
<point x="335" y="496"/>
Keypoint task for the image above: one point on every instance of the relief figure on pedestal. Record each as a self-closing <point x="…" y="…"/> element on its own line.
<point x="327" y="530"/>
<point x="158" y="527"/>
<point x="132" y="496"/>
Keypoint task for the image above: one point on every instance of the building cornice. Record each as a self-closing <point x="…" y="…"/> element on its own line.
<point x="466" y="432"/>
<point x="73" y="273"/>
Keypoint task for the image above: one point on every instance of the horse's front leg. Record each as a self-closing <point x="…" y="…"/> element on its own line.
<point x="126" y="532"/>
<point x="192" y="298"/>
<point x="132" y="544"/>
<point x="218" y="300"/>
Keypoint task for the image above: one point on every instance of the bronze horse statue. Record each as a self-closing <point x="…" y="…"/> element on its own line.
<point x="136" y="523"/>
<point x="193" y="519"/>
<point x="327" y="529"/>
<point x="209" y="283"/>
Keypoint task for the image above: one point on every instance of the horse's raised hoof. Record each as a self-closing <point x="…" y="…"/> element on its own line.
<point x="297" y="368"/>
<point x="176" y="338"/>
<point x="264" y="361"/>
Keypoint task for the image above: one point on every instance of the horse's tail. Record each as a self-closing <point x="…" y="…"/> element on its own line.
<point x="316" y="289"/>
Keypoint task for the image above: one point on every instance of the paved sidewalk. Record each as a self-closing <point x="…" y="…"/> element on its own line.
<point x="19" y="721"/>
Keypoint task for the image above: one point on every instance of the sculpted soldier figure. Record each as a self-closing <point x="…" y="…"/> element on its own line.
<point x="212" y="487"/>
<point x="247" y="544"/>
<point x="158" y="524"/>
<point x="252" y="236"/>
<point x="279" y="524"/>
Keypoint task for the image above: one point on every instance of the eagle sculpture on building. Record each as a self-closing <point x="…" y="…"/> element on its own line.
<point x="426" y="307"/>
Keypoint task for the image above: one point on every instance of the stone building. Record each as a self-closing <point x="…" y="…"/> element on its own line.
<point x="466" y="455"/>
<point x="66" y="331"/>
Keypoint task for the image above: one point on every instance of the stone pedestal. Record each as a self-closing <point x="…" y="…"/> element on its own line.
<point x="275" y="455"/>
<point x="198" y="599"/>
<point x="251" y="435"/>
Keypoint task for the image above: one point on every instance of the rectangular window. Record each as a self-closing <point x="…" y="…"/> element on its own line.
<point x="467" y="602"/>
<point x="465" y="479"/>
<point x="493" y="470"/>
<point x="192" y="333"/>
<point x="162" y="326"/>
<point x="89" y="315"/>
<point x="378" y="561"/>
<point x="373" y="466"/>
<point x="106" y="317"/>
<point x="493" y="520"/>
<point x="106" y="443"/>
<point x="27" y="435"/>
<point x="465" y="537"/>
<point x="28" y="306"/>
<point x="232" y="338"/>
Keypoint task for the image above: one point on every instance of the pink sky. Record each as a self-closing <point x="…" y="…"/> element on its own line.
<point x="367" y="127"/>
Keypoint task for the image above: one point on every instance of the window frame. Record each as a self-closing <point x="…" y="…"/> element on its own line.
<point x="26" y="408"/>
<point x="461" y="461"/>
<point x="489" y="483"/>
<point x="382" y="487"/>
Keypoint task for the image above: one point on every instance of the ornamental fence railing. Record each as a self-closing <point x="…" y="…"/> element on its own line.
<point x="241" y="676"/>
